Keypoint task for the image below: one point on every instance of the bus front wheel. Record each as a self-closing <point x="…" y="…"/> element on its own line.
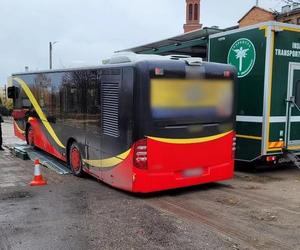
<point x="75" y="160"/>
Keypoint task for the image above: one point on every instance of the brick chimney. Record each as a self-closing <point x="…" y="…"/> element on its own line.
<point x="192" y="16"/>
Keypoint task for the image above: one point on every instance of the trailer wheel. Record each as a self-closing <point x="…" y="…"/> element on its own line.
<point x="30" y="136"/>
<point x="75" y="160"/>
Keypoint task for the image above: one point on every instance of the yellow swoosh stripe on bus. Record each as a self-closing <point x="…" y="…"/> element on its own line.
<point x="190" y="141"/>
<point x="39" y="110"/>
<point x="109" y="162"/>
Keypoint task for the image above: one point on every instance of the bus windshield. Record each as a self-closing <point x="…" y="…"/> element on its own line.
<point x="185" y="101"/>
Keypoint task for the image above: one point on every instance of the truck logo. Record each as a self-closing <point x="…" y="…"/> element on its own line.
<point x="242" y="55"/>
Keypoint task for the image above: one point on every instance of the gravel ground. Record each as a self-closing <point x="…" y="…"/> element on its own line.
<point x="254" y="211"/>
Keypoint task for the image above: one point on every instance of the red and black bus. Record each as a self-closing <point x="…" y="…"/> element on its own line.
<point x="141" y="125"/>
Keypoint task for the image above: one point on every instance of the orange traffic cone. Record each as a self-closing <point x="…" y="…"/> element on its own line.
<point x="38" y="179"/>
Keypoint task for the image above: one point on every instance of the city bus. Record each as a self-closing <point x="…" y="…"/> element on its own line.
<point x="138" y="123"/>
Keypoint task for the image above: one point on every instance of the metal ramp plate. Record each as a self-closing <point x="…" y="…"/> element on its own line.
<point x="20" y="153"/>
<point x="45" y="159"/>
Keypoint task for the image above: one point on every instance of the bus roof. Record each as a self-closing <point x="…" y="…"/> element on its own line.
<point x="121" y="59"/>
<point x="73" y="69"/>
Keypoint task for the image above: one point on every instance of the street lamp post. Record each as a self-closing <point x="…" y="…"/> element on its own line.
<point x="50" y="53"/>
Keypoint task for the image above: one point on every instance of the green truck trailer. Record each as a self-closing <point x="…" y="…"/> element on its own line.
<point x="267" y="58"/>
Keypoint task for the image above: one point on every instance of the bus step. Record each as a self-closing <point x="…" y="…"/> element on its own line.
<point x="293" y="157"/>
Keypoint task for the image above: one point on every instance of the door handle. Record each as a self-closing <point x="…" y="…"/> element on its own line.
<point x="291" y="99"/>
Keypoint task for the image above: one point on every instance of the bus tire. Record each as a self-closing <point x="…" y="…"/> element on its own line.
<point x="30" y="136"/>
<point x="75" y="160"/>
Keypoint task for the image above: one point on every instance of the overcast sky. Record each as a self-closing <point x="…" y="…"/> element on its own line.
<point x="88" y="31"/>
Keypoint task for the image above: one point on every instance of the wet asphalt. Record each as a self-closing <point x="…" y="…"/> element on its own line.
<point x="253" y="211"/>
<point x="85" y="214"/>
<point x="75" y="213"/>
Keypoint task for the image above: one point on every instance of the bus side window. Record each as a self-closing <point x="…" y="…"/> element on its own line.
<point x="55" y="95"/>
<point x="93" y="121"/>
<point x="93" y="94"/>
<point x="69" y="95"/>
<point x="26" y="104"/>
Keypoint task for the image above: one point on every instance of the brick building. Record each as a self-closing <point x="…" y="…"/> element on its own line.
<point x="289" y="14"/>
<point x="256" y="15"/>
<point x="192" y="16"/>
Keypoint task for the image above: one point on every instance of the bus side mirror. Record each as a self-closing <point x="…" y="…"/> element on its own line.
<point x="13" y="92"/>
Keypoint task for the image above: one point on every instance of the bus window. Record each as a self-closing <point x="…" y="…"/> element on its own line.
<point x="26" y="103"/>
<point x="73" y="96"/>
<point x="93" y="94"/>
<point x="196" y="101"/>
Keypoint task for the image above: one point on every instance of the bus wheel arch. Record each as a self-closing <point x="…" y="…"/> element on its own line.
<point x="74" y="158"/>
<point x="29" y="134"/>
<point x="69" y="143"/>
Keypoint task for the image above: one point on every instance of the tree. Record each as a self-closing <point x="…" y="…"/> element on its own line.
<point x="6" y="105"/>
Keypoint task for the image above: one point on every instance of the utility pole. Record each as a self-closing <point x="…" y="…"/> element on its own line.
<point x="50" y="53"/>
<point x="257" y="3"/>
<point x="4" y="95"/>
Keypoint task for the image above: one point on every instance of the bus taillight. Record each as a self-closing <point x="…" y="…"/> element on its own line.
<point x="234" y="144"/>
<point x="140" y="158"/>
<point x="227" y="74"/>
<point x="233" y="147"/>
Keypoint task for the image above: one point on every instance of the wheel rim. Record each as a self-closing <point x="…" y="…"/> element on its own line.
<point x="30" y="137"/>
<point x="75" y="159"/>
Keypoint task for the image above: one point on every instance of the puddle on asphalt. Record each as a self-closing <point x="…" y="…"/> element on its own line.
<point x="15" y="195"/>
<point x="258" y="178"/>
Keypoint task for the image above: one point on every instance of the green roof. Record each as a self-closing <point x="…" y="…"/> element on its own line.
<point x="192" y="43"/>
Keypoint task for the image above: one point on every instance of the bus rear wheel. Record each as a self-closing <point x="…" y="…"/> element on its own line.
<point x="30" y="136"/>
<point x="75" y="160"/>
